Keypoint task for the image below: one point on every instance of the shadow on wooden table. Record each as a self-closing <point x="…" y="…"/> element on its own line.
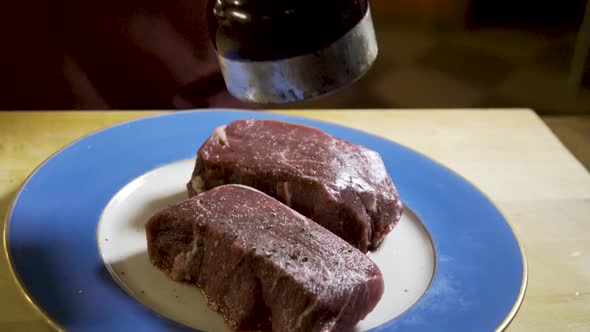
<point x="35" y="325"/>
<point x="5" y="202"/>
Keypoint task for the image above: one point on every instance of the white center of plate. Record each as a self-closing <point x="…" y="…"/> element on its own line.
<point x="406" y="257"/>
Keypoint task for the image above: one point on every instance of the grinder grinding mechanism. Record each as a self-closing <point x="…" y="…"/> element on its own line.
<point x="280" y="51"/>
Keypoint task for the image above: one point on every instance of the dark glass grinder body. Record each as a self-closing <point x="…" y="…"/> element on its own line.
<point x="279" y="51"/>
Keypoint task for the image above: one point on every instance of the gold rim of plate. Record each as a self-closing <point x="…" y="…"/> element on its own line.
<point x="56" y="326"/>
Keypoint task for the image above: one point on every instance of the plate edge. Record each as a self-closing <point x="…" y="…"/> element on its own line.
<point x="524" y="285"/>
<point x="7" y="217"/>
<point x="16" y="279"/>
<point x="525" y="275"/>
<point x="56" y="326"/>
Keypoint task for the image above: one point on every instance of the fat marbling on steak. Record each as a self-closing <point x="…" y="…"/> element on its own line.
<point x="340" y="185"/>
<point x="262" y="264"/>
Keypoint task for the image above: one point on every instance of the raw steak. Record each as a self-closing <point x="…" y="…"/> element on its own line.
<point x="342" y="186"/>
<point x="262" y="264"/>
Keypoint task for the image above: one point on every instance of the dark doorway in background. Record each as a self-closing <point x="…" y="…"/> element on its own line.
<point x="528" y="13"/>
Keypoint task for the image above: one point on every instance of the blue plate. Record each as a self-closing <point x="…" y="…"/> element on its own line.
<point x="50" y="233"/>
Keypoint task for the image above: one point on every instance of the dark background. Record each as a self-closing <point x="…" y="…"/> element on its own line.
<point x="155" y="54"/>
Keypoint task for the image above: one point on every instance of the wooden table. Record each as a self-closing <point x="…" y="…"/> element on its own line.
<point x="509" y="154"/>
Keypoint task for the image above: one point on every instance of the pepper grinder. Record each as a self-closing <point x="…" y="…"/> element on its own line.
<point x="281" y="51"/>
